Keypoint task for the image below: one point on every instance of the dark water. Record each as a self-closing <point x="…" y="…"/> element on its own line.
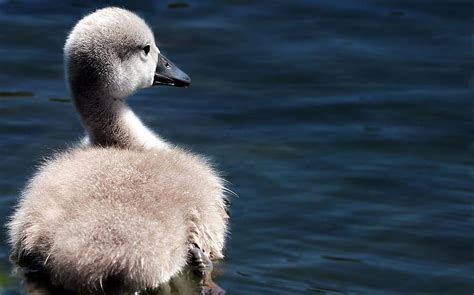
<point x="345" y="127"/>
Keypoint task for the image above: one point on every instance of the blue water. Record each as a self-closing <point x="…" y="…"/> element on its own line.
<point x="345" y="127"/>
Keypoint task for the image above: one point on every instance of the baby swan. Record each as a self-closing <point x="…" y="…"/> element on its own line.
<point x="124" y="207"/>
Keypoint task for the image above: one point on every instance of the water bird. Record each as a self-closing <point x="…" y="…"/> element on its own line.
<point x="124" y="207"/>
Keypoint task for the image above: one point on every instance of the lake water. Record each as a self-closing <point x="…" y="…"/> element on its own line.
<point x="345" y="127"/>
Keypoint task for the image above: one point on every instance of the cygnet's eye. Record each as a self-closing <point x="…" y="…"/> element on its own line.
<point x="146" y="49"/>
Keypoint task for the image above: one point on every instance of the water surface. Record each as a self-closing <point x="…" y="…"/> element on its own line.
<point x="345" y="127"/>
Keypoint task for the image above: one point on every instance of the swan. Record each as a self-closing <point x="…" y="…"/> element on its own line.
<point x="124" y="207"/>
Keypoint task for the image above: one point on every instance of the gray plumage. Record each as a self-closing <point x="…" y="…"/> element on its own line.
<point x="124" y="206"/>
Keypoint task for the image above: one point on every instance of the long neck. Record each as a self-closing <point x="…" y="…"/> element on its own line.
<point x="110" y="122"/>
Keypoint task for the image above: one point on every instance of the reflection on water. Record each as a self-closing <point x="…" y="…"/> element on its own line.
<point x="185" y="283"/>
<point x="345" y="127"/>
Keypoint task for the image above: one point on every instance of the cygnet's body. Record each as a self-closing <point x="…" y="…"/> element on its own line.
<point x="124" y="207"/>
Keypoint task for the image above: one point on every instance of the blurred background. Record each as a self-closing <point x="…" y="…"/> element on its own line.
<point x="345" y="127"/>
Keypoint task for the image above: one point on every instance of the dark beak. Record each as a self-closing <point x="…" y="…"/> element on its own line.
<point x="168" y="74"/>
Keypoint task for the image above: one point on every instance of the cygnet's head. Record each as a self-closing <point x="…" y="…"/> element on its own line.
<point x="113" y="51"/>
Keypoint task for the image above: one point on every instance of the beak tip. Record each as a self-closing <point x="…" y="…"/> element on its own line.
<point x="188" y="80"/>
<point x="184" y="81"/>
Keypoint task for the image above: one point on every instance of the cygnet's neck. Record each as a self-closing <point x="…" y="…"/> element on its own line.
<point x="110" y="122"/>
